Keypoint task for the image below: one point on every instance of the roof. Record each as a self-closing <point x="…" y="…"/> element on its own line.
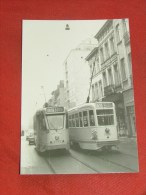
<point x="89" y="105"/>
<point x="91" y="54"/>
<point x="81" y="106"/>
<point x="107" y="23"/>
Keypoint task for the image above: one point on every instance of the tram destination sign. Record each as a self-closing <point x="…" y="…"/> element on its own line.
<point x="54" y="109"/>
<point x="104" y="105"/>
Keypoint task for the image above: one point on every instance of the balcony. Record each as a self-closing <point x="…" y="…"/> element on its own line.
<point x="108" y="90"/>
<point x="126" y="38"/>
<point x="109" y="61"/>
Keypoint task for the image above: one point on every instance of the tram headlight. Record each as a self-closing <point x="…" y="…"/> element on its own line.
<point x="94" y="135"/>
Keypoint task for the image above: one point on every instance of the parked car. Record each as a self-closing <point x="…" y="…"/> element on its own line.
<point x="29" y="132"/>
<point x="31" y="139"/>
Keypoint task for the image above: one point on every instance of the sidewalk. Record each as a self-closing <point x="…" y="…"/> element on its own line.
<point x="126" y="139"/>
<point x="128" y="145"/>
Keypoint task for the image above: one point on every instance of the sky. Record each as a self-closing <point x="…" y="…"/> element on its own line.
<point x="45" y="46"/>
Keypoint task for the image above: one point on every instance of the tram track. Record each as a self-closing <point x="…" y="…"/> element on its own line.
<point x="60" y="165"/>
<point x="96" y="170"/>
<point x="118" y="164"/>
<point x="87" y="165"/>
<point x="104" y="163"/>
<point x="51" y="161"/>
<point x="50" y="165"/>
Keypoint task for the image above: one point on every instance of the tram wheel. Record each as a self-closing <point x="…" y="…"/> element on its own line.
<point x="107" y="148"/>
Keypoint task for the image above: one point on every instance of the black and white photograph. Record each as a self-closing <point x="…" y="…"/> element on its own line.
<point x="77" y="101"/>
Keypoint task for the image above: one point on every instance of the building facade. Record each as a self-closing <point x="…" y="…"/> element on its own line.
<point x="110" y="68"/>
<point x="58" y="96"/>
<point x="77" y="75"/>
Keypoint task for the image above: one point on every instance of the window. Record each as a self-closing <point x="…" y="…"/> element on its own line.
<point x="104" y="79"/>
<point x="130" y="63"/>
<point x="55" y="122"/>
<point x="123" y="71"/>
<point x="94" y="67"/>
<point x="69" y="119"/>
<point x="97" y="65"/>
<point x="100" y="89"/>
<point x="85" y="118"/>
<point x="110" y="76"/>
<point x="116" y="75"/>
<point x="91" y="118"/>
<point x="77" y="119"/>
<point x="107" y="51"/>
<point x="105" y="117"/>
<point x="96" y="90"/>
<point x="101" y="55"/>
<point x="81" y="119"/>
<point x="73" y="120"/>
<point x="93" y="93"/>
<point x="118" y="35"/>
<point x="112" y="46"/>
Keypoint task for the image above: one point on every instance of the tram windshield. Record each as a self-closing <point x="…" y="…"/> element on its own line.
<point x="105" y="117"/>
<point x="55" y="122"/>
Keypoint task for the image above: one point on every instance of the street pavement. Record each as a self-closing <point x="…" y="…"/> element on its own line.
<point x="79" y="161"/>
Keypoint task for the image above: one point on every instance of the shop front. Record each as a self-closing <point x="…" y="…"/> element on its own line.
<point x="130" y="112"/>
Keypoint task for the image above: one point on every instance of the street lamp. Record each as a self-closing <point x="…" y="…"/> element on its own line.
<point x="67" y="27"/>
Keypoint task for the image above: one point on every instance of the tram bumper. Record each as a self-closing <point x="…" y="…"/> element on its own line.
<point x="108" y="143"/>
<point x="96" y="145"/>
<point x="55" y="147"/>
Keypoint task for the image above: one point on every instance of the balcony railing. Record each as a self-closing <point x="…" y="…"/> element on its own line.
<point x="109" y="60"/>
<point x="111" y="89"/>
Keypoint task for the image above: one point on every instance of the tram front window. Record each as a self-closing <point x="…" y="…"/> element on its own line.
<point x="55" y="122"/>
<point x="105" y="117"/>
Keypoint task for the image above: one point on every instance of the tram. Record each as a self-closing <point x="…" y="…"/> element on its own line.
<point x="50" y="129"/>
<point x="93" y="126"/>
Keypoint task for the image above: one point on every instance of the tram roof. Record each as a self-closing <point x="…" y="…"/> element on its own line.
<point x="88" y="105"/>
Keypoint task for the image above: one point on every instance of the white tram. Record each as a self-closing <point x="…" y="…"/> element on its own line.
<point x="50" y="129"/>
<point x="93" y="125"/>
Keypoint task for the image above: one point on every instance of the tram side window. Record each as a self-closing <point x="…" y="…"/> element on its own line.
<point x="69" y="119"/>
<point x="91" y="118"/>
<point x="85" y="118"/>
<point x="81" y="119"/>
<point x="77" y="119"/>
<point x="73" y="120"/>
